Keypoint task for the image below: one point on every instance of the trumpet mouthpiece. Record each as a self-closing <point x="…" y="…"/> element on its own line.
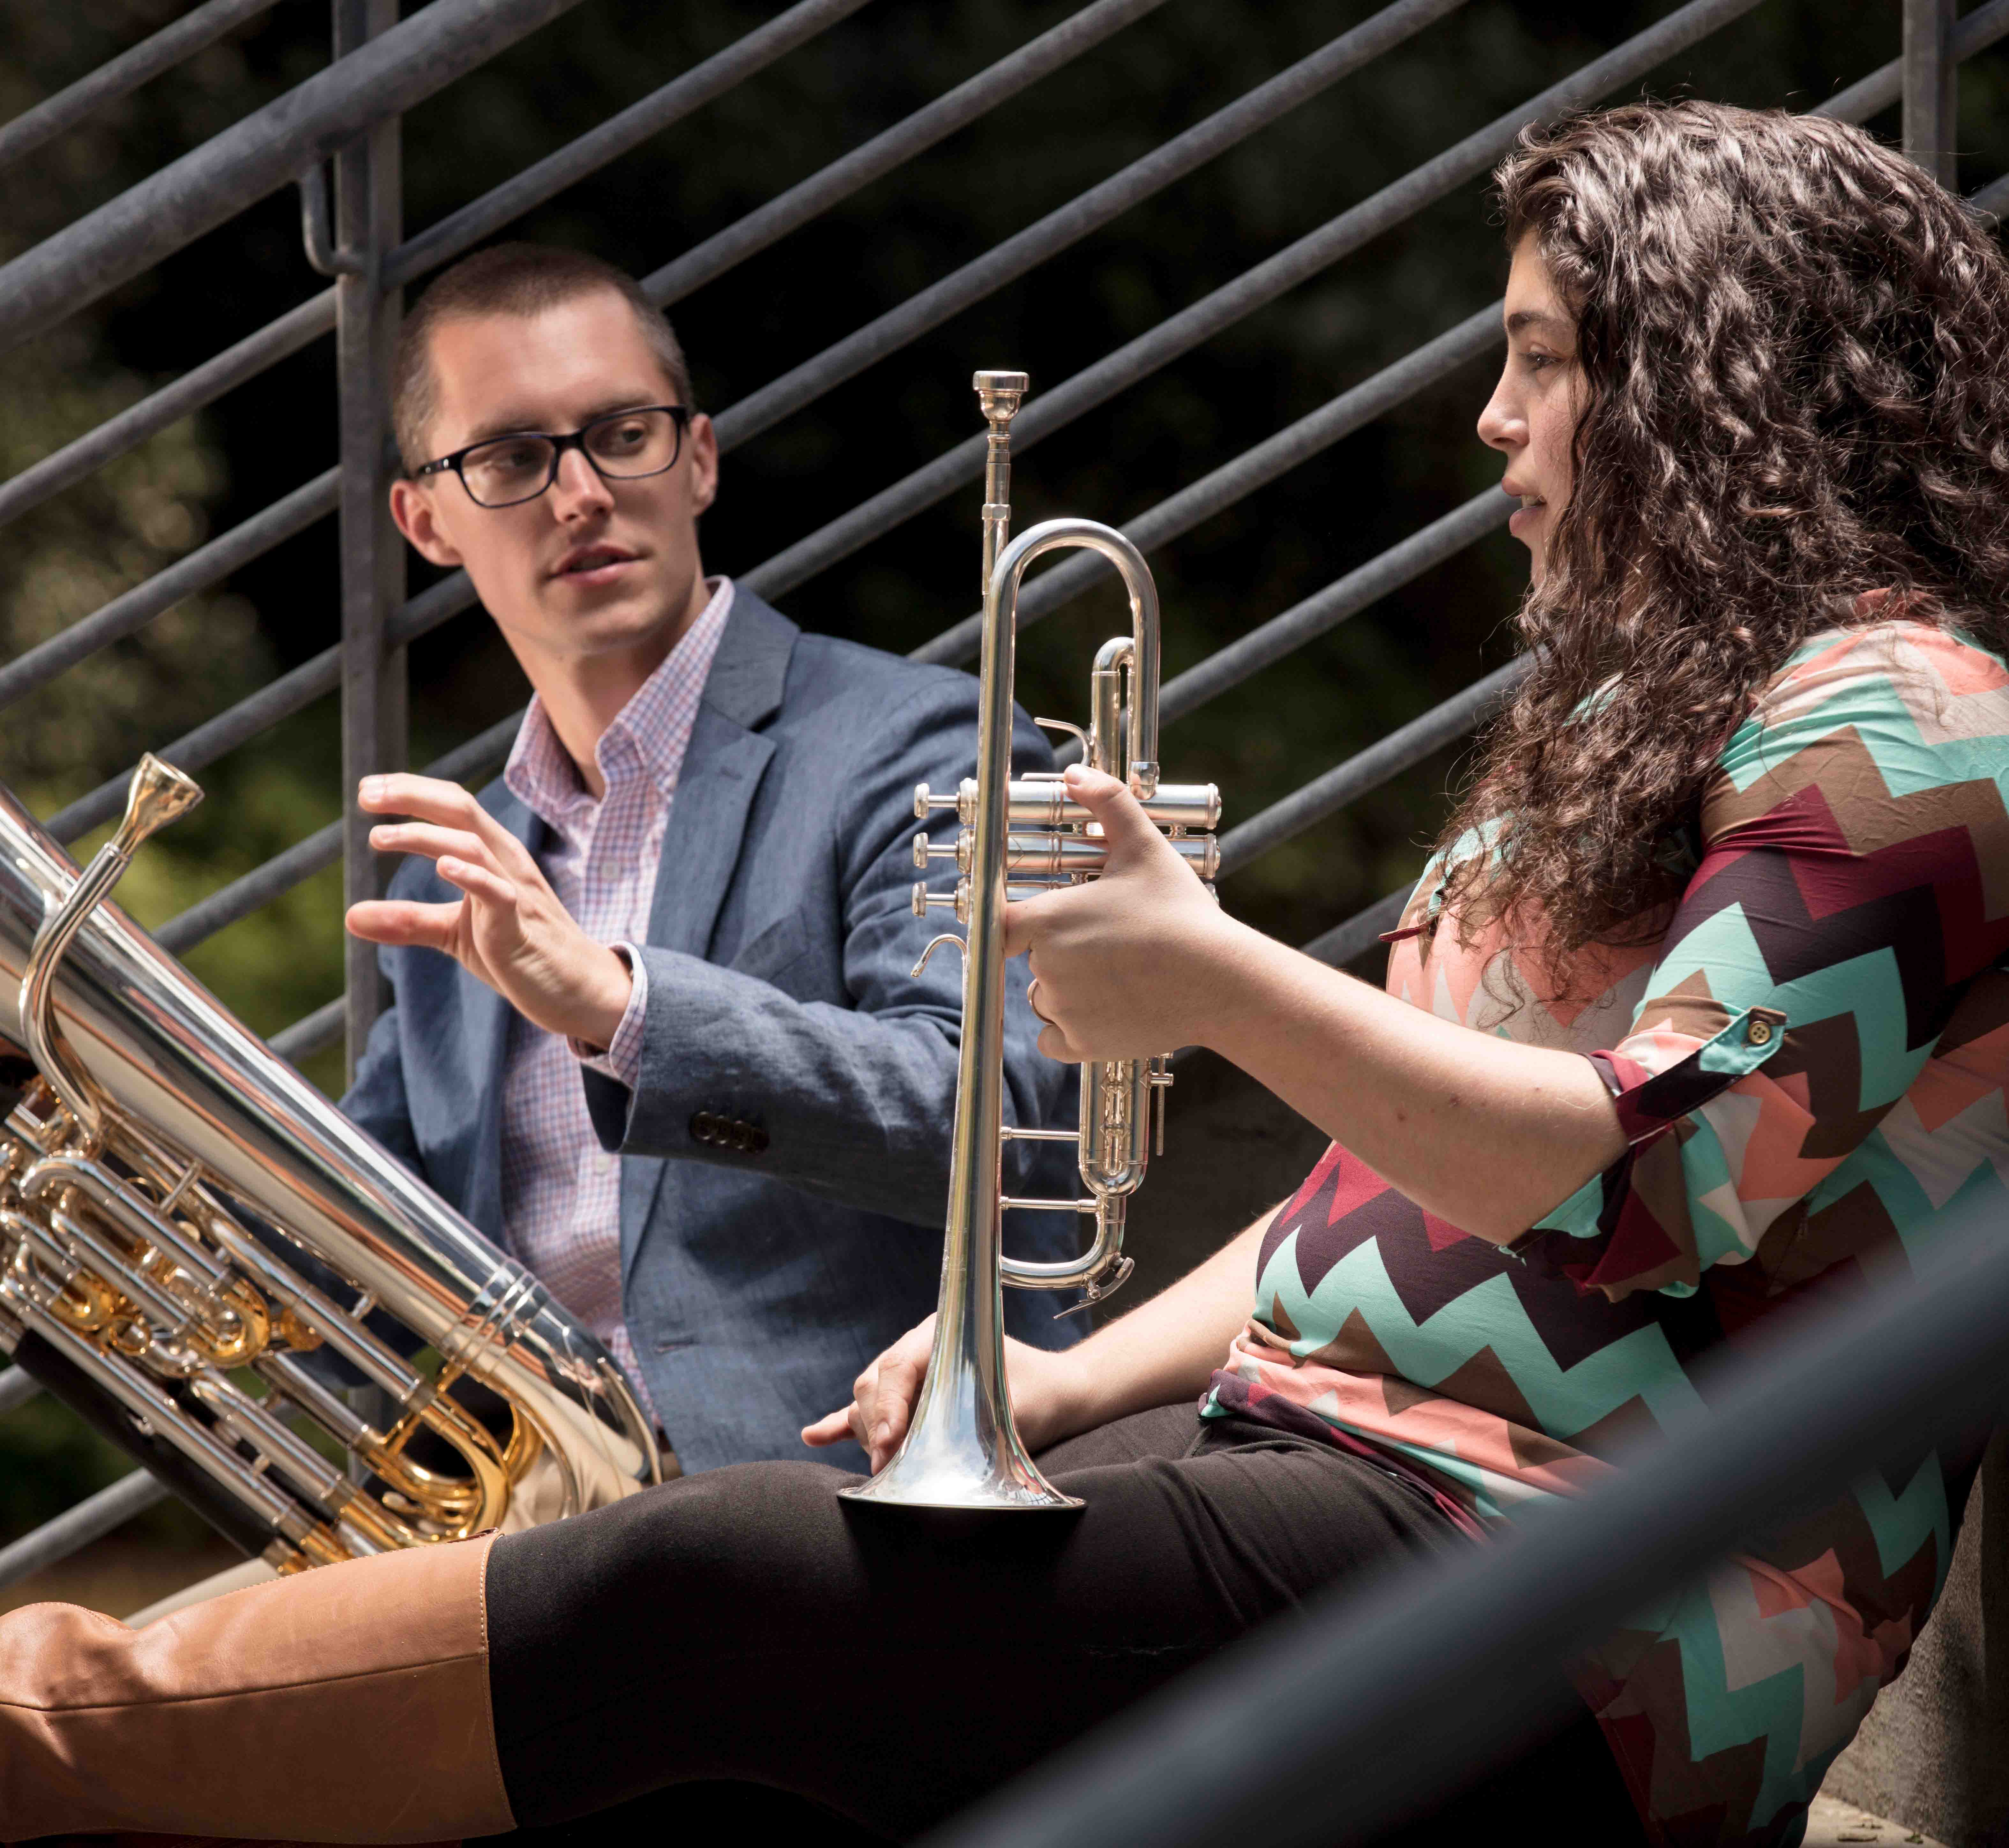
<point x="999" y="393"/>
<point x="160" y="793"/>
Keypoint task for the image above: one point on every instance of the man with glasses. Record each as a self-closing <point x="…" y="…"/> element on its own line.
<point x="673" y="1056"/>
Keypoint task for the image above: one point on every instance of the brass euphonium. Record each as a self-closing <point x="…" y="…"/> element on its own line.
<point x="1019" y="836"/>
<point x="184" y="1218"/>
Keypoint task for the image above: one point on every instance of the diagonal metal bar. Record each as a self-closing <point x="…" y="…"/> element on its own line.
<point x="312" y="1032"/>
<point x="436" y="245"/>
<point x="1180" y="513"/>
<point x="16" y="1388"/>
<point x="172" y="45"/>
<point x="1156" y="170"/>
<point x="258" y="155"/>
<point x="620" y="134"/>
<point x="1255" y="287"/>
<point x="1275" y="456"/>
<point x="208" y="383"/>
<point x="953" y="110"/>
<point x="76" y="1528"/>
<point x="1432" y="1677"/>
<point x="1422" y="551"/>
<point x="1384" y="760"/>
<point x="207" y="565"/>
<point x="257" y="889"/>
<point x="1884" y="86"/>
<point x="283" y="697"/>
<point x="290" y="693"/>
<point x="1347" y="942"/>
<point x="320" y="849"/>
<point x="1993" y="197"/>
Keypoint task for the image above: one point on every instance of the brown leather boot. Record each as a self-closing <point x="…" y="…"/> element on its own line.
<point x="348" y="1704"/>
<point x="153" y="1841"/>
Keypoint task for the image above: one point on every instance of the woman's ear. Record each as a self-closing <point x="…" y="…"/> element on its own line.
<point x="411" y="507"/>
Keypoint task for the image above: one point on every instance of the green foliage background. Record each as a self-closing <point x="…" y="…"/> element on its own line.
<point x="1148" y="82"/>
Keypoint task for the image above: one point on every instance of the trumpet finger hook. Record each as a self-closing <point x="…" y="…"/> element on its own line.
<point x="934" y="944"/>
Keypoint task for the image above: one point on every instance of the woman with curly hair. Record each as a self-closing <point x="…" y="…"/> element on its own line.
<point x="1695" y="1021"/>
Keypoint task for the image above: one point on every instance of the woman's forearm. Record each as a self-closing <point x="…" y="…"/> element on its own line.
<point x="1489" y="1134"/>
<point x="1164" y="1350"/>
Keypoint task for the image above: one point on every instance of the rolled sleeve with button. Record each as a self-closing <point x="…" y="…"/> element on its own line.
<point x="1815" y="958"/>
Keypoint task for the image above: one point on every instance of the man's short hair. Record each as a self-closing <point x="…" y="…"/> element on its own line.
<point x="512" y="278"/>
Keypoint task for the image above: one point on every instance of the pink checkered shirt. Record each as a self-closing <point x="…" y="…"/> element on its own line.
<point x="560" y="1189"/>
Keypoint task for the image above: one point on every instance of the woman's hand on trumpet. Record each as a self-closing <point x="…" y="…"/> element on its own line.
<point x="1121" y="966"/>
<point x="1045" y="1387"/>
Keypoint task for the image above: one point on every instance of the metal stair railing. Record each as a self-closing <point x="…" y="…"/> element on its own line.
<point x="1364" y="1710"/>
<point x="349" y="113"/>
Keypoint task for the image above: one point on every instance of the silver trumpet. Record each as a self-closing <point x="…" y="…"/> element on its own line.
<point x="184" y="1219"/>
<point x="1020" y="836"/>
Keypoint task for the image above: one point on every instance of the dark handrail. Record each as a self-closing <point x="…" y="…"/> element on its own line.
<point x="265" y="151"/>
<point x="1381" y="762"/>
<point x="173" y="44"/>
<point x="1151" y="173"/>
<point x="1327" y="1728"/>
<point x="1255" y="467"/>
<point x="1254" y="289"/>
<point x="207" y="565"/>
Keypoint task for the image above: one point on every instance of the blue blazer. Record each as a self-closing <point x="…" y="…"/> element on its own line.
<point x="784" y="1158"/>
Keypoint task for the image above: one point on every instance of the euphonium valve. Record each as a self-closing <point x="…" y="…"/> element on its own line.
<point x="1017" y="837"/>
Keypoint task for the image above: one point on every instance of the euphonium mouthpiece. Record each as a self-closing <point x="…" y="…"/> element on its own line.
<point x="160" y="794"/>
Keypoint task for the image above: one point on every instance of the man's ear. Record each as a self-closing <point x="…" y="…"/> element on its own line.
<point x="703" y="441"/>
<point x="411" y="507"/>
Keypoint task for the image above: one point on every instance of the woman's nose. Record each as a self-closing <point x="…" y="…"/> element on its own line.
<point x="1500" y="425"/>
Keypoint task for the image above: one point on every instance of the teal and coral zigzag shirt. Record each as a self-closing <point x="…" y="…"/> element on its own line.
<point x="1809" y="1066"/>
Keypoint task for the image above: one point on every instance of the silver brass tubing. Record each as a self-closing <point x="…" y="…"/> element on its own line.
<point x="127" y="1256"/>
<point x="160" y="792"/>
<point x="53" y="1174"/>
<point x="1102" y="1267"/>
<point x="999" y="395"/>
<point x="1040" y="857"/>
<point x="961" y="1449"/>
<point x="149" y="1402"/>
<point x="1041" y="802"/>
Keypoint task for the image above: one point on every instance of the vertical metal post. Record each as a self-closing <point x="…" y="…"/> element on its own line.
<point x="1932" y="77"/>
<point x="369" y="214"/>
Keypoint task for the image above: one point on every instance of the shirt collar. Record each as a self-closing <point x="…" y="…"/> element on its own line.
<point x="649" y="735"/>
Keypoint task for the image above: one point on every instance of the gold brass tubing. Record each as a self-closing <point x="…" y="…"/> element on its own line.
<point x="130" y="1212"/>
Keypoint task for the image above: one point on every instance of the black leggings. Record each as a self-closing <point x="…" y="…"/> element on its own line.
<point x="745" y="1626"/>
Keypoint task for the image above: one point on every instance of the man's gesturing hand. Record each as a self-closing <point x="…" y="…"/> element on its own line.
<point x="1045" y="1398"/>
<point x="509" y="929"/>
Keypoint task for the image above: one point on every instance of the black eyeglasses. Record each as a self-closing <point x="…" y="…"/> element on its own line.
<point x="623" y="446"/>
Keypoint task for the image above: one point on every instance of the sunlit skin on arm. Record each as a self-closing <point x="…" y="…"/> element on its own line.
<point x="1162" y="1353"/>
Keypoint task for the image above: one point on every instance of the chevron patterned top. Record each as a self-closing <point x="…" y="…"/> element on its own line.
<point x="1809" y="1066"/>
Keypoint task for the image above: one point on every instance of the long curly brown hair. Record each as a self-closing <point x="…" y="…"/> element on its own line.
<point x="1796" y="351"/>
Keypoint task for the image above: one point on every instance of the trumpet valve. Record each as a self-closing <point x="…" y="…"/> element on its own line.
<point x="925" y="901"/>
